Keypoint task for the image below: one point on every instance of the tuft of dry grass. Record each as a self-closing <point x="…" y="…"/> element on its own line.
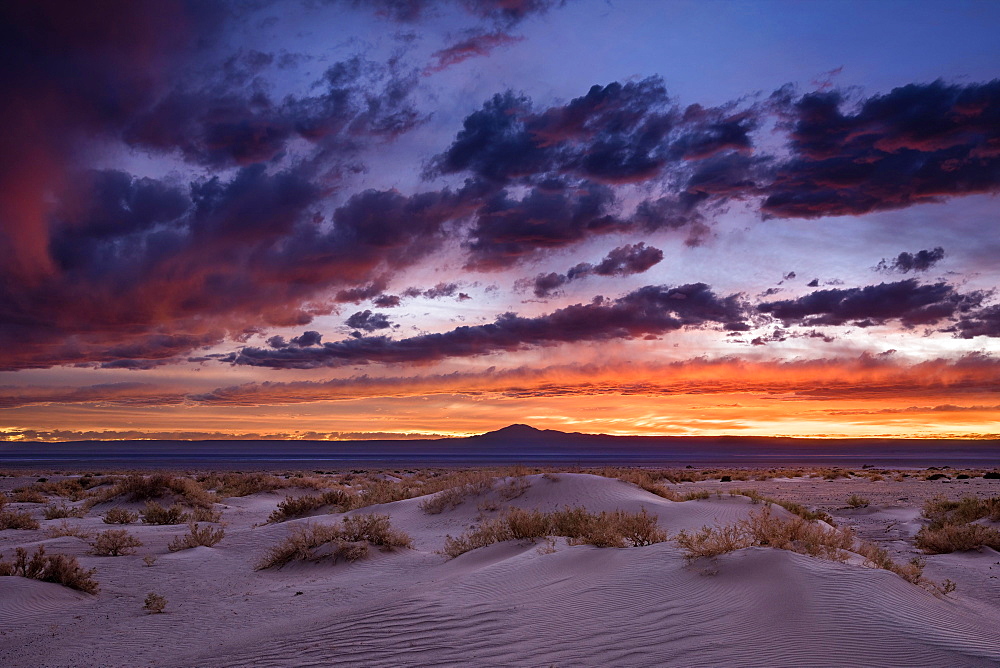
<point x="17" y="519"/>
<point x="154" y="603"/>
<point x="790" y="506"/>
<point x="349" y="540"/>
<point x="763" y="529"/>
<point x="66" y="529"/>
<point x="293" y="507"/>
<point x="243" y="484"/>
<point x="195" y="537"/>
<point x="206" y="515"/>
<point x="120" y="516"/>
<point x="957" y="538"/>
<point x="452" y="497"/>
<point x="615" y="529"/>
<point x="855" y="501"/>
<point x="154" y="513"/>
<point x="952" y="527"/>
<point x="28" y="495"/>
<point x="138" y="487"/>
<point x="115" y="543"/>
<point x="58" y="568"/>
<point x="61" y="511"/>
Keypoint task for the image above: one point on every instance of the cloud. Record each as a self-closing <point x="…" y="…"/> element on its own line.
<point x="146" y="269"/>
<point x="918" y="143"/>
<point x="368" y="321"/>
<point x="622" y="261"/>
<point x="648" y="311"/>
<point x="619" y="133"/>
<point x="907" y="262"/>
<point x="476" y="45"/>
<point x="907" y="302"/>
<point x="981" y="322"/>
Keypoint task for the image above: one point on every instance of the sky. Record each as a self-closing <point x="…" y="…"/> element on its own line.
<point x="340" y="219"/>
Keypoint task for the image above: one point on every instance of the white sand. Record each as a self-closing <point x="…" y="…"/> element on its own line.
<point x="510" y="604"/>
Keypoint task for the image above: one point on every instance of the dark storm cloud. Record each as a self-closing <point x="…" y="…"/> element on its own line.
<point x="907" y="302"/>
<point x="149" y="270"/>
<point x="619" y="133"/>
<point x="232" y="120"/>
<point x="907" y="262"/>
<point x="623" y="261"/>
<point x="368" y="321"/>
<point x="918" y="143"/>
<point x="982" y="322"/>
<point x="501" y="13"/>
<point x="647" y="312"/>
<point x="552" y="215"/>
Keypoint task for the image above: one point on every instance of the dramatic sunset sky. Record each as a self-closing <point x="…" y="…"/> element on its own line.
<point x="379" y="218"/>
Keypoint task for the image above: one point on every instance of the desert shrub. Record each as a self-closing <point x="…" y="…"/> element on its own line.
<point x="58" y="568"/>
<point x="726" y="478"/>
<point x="3" y="500"/>
<point x="940" y="511"/>
<point x="120" y="516"/>
<point x="452" y="497"/>
<point x="878" y="557"/>
<point x="196" y="536"/>
<point x="855" y="501"/>
<point x="643" y="479"/>
<point x="957" y="538"/>
<point x="154" y="603"/>
<point x="54" y="512"/>
<point x="713" y="541"/>
<point x="992" y="475"/>
<point x="349" y="540"/>
<point x="149" y="560"/>
<point x="66" y="529"/>
<point x="28" y="495"/>
<point x="138" y="487"/>
<point x="790" y="506"/>
<point x="937" y="476"/>
<point x="615" y="529"/>
<point x="115" y="543"/>
<point x="300" y="506"/>
<point x="17" y="519"/>
<point x="206" y="515"/>
<point x="694" y="496"/>
<point x="154" y="513"/>
<point x="73" y="489"/>
<point x="550" y="476"/>
<point x="514" y="488"/>
<point x="244" y="484"/>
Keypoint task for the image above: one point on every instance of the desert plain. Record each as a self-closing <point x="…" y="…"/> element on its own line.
<point x="501" y="567"/>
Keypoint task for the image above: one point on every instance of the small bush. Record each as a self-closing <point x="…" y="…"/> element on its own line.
<point x="616" y="529"/>
<point x="120" y="516"/>
<point x="694" y="496"/>
<point x="293" y="507"/>
<point x="17" y="519"/>
<point x="940" y="511"/>
<point x="154" y="603"/>
<point x="937" y="476"/>
<point x="62" y="511"/>
<point x="855" y="501"/>
<point x="154" y="513"/>
<point x="65" y="529"/>
<point x="347" y="540"/>
<point x="992" y="475"/>
<point x="196" y="537"/>
<point x="149" y="560"/>
<point x="206" y="515"/>
<point x="28" y="495"/>
<point x="957" y="538"/>
<point x="146" y="488"/>
<point x="454" y="496"/>
<point x="244" y="484"/>
<point x="115" y="543"/>
<point x="726" y="478"/>
<point x="58" y="568"/>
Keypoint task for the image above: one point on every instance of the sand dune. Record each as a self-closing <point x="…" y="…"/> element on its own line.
<point x="512" y="603"/>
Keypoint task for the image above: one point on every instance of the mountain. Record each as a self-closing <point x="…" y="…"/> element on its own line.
<point x="524" y="432"/>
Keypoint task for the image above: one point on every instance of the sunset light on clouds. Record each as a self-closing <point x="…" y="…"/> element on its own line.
<point x="405" y="218"/>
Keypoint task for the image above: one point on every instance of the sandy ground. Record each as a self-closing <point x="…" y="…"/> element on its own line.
<point x="516" y="604"/>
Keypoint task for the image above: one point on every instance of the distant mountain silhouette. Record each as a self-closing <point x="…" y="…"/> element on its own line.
<point x="524" y="432"/>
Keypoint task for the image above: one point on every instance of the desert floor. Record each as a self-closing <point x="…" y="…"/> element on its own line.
<point x="543" y="602"/>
